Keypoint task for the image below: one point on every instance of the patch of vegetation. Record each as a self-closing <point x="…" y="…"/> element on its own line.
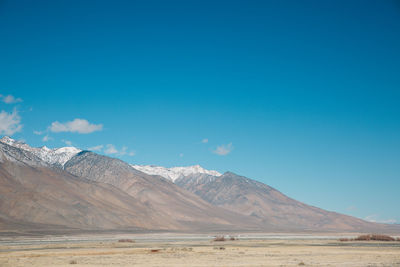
<point x="126" y="240"/>
<point x="73" y="262"/>
<point x="374" y="237"/>
<point x="219" y="238"/>
<point x="370" y="237"/>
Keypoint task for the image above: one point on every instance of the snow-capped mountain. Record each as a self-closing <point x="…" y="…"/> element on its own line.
<point x="52" y="156"/>
<point x="174" y="173"/>
<point x="64" y="187"/>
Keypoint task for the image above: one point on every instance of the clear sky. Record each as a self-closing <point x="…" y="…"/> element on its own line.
<point x="301" y="95"/>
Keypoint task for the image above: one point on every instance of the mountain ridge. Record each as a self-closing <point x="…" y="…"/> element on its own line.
<point x="92" y="191"/>
<point x="58" y="156"/>
<point x="174" y="173"/>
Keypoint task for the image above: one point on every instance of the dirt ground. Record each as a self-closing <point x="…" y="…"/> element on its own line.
<point x="200" y="252"/>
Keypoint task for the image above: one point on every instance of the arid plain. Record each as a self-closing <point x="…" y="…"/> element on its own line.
<point x="196" y="250"/>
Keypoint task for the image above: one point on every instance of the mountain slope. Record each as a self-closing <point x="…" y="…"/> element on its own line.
<point x="271" y="207"/>
<point x="43" y="188"/>
<point x="169" y="200"/>
<point x="33" y="192"/>
<point x="57" y="157"/>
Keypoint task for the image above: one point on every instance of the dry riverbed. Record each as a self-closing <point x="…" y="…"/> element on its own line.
<point x="197" y="251"/>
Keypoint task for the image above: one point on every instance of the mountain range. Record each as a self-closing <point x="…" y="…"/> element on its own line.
<point x="69" y="189"/>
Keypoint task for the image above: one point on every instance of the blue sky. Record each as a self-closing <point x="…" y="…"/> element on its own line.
<point x="303" y="96"/>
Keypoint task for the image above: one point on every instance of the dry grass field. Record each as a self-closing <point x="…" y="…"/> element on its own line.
<point x="201" y="252"/>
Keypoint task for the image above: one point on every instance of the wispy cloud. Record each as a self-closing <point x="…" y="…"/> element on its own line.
<point x="204" y="141"/>
<point x="223" y="150"/>
<point x="81" y="126"/>
<point x="46" y="138"/>
<point x="67" y="142"/>
<point x="10" y="123"/>
<point x="9" y="99"/>
<point x="376" y="218"/>
<point x="123" y="151"/>
<point x="110" y="149"/>
<point x="38" y="132"/>
<point x="96" y="148"/>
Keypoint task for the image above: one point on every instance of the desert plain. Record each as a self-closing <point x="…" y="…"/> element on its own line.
<point x="196" y="250"/>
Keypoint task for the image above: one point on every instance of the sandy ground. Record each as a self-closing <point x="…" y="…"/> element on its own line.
<point x="197" y="251"/>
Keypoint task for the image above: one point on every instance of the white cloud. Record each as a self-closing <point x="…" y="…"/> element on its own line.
<point x="204" y="141"/>
<point x="10" y="122"/>
<point x="96" y="148"/>
<point x="9" y="99"/>
<point x="38" y="132"/>
<point x="123" y="151"/>
<point x="110" y="149"/>
<point x="375" y="218"/>
<point x="67" y="142"/>
<point x="46" y="138"/>
<point x="223" y="150"/>
<point x="76" y="126"/>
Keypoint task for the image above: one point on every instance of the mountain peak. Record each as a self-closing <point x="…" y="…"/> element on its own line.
<point x="175" y="172"/>
<point x="7" y="140"/>
<point x="52" y="156"/>
<point x="67" y="149"/>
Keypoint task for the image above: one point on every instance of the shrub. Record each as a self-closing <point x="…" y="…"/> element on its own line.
<point x="374" y="237"/>
<point x="219" y="238"/>
<point x="344" y="239"/>
<point x="398" y="239"/>
<point x="126" y="240"/>
<point x="73" y="262"/>
<point x="232" y="238"/>
<point x="363" y="238"/>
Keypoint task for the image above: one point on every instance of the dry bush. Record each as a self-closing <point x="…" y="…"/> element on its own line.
<point x="382" y="238"/>
<point x="219" y="238"/>
<point x="374" y="237"/>
<point x="363" y="238"/>
<point x="344" y="239"/>
<point x="155" y="250"/>
<point x="126" y="240"/>
<point x="232" y="238"/>
<point x="302" y="264"/>
<point x="73" y="262"/>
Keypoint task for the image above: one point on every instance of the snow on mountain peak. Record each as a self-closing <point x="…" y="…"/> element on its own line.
<point x="175" y="172"/>
<point x="67" y="149"/>
<point x="51" y="156"/>
<point x="7" y="140"/>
